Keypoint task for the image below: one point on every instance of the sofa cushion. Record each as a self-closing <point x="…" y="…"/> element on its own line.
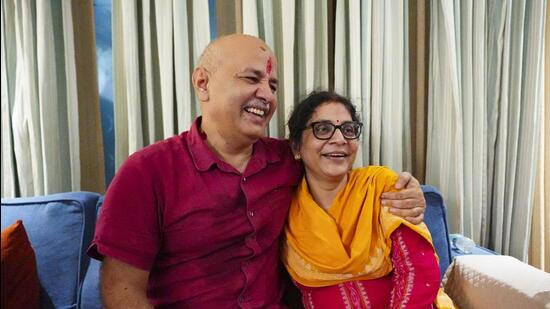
<point x="60" y="227"/>
<point x="20" y="288"/>
<point x="435" y="218"/>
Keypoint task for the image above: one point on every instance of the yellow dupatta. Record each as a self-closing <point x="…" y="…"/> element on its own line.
<point x="350" y="241"/>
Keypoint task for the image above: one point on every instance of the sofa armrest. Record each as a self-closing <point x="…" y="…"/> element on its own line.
<point x="60" y="228"/>
<point x="496" y="281"/>
<point x="435" y="218"/>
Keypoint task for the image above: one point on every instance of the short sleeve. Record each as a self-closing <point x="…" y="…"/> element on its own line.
<point x="128" y="225"/>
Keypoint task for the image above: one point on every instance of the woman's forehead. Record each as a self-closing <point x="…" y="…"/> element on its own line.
<point x="331" y="111"/>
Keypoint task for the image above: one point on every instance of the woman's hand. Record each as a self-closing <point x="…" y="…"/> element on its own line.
<point x="409" y="203"/>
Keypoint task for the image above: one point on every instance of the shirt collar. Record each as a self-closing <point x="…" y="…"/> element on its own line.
<point x="203" y="157"/>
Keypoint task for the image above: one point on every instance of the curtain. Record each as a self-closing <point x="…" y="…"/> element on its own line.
<point x="50" y="106"/>
<point x="371" y="67"/>
<point x="484" y="107"/>
<point x="156" y="45"/>
<point x="539" y="255"/>
<point x="419" y="38"/>
<point x="297" y="32"/>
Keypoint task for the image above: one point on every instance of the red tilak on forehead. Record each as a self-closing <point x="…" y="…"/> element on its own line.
<point x="269" y="66"/>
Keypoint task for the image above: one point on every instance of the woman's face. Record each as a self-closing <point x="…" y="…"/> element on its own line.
<point x="328" y="159"/>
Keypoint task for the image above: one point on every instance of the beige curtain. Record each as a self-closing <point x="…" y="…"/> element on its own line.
<point x="156" y="45"/>
<point x="485" y="102"/>
<point x="371" y="66"/>
<point x="305" y="67"/>
<point x="297" y="32"/>
<point x="539" y="254"/>
<point x="419" y="39"/>
<point x="51" y="137"/>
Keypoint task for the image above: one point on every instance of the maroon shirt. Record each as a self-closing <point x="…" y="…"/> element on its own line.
<point x="207" y="233"/>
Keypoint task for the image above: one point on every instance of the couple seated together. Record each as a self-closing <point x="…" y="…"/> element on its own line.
<point x="342" y="248"/>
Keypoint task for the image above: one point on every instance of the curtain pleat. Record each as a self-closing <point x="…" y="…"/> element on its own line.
<point x="185" y="105"/>
<point x="92" y="166"/>
<point x="371" y="66"/>
<point x="199" y="11"/>
<point x="444" y="134"/>
<point x="120" y="108"/>
<point x="285" y="49"/>
<point x="297" y="32"/>
<point x="72" y="139"/>
<point x="472" y="97"/>
<point x="25" y="115"/>
<point x="156" y="45"/>
<point x="419" y="34"/>
<point x="47" y="94"/>
<point x="48" y="108"/>
<point x="9" y="169"/>
<point x="165" y="37"/>
<point x="539" y="254"/>
<point x="485" y="99"/>
<point x="228" y="17"/>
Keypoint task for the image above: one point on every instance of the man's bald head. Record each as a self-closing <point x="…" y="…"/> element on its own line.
<point x="236" y="84"/>
<point x="227" y="47"/>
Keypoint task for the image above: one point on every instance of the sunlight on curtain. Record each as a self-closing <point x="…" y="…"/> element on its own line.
<point x="371" y="67"/>
<point x="539" y="254"/>
<point x="156" y="45"/>
<point x="485" y="98"/>
<point x="297" y="32"/>
<point x="9" y="176"/>
<point x="40" y="120"/>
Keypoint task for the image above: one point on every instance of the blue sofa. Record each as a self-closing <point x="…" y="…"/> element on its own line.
<point x="61" y="226"/>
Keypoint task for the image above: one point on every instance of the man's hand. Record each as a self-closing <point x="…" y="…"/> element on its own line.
<point x="408" y="203"/>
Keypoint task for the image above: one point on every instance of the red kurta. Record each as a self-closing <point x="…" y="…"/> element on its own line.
<point x="412" y="284"/>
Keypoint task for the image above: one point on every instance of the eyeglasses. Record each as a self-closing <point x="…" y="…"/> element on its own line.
<point x="324" y="130"/>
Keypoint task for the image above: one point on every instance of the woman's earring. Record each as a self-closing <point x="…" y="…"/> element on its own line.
<point x="297" y="157"/>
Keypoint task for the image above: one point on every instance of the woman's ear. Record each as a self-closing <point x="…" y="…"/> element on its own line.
<point x="200" y="83"/>
<point x="295" y="151"/>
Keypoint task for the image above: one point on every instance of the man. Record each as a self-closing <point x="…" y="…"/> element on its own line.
<point x="194" y="220"/>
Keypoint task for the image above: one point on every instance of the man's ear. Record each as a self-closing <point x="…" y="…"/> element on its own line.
<point x="200" y="83"/>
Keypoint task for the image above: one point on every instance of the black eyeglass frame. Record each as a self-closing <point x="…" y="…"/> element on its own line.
<point x="334" y="127"/>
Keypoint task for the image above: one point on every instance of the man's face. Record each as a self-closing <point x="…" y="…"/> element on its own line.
<point x="242" y="92"/>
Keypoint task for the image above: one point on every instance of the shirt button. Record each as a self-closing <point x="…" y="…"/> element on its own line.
<point x="251" y="213"/>
<point x="244" y="179"/>
<point x="241" y="299"/>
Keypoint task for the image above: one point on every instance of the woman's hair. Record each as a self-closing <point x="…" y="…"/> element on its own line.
<point x="304" y="110"/>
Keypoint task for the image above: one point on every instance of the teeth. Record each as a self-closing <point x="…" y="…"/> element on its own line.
<point x="336" y="155"/>
<point x="255" y="111"/>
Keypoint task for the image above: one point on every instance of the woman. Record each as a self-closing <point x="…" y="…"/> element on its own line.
<point x="343" y="249"/>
